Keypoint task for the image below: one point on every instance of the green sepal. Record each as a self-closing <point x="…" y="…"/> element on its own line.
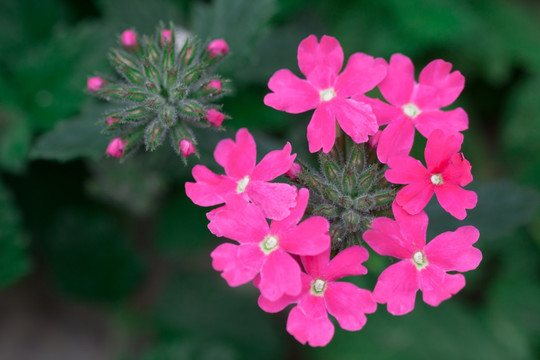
<point x="126" y="65"/>
<point x="153" y="136"/>
<point x="167" y="116"/>
<point x="329" y="167"/>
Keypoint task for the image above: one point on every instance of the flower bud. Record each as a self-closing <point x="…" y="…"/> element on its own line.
<point x="166" y="36"/>
<point x="186" y="147"/>
<point x="129" y="39"/>
<point x="116" y="147"/>
<point x="111" y="120"/>
<point x="95" y="83"/>
<point x="218" y="47"/>
<point x="214" y="117"/>
<point x="214" y="84"/>
<point x="293" y="172"/>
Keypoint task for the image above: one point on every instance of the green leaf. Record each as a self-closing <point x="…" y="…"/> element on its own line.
<point x="71" y="139"/>
<point x="14" y="140"/>
<point x="14" y="261"/>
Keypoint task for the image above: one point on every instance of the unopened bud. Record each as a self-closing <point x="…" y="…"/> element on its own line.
<point x="186" y="147"/>
<point x="214" y="117"/>
<point x="352" y="220"/>
<point x="129" y="39"/>
<point x="111" y="120"/>
<point x="218" y="47"/>
<point x="95" y="83"/>
<point x="116" y="147"/>
<point x="166" y="36"/>
<point x="214" y="84"/>
<point x="293" y="172"/>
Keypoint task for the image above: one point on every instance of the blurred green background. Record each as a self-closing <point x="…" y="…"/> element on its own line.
<point x="101" y="260"/>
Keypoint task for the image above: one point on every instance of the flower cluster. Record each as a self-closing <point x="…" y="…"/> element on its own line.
<point x="293" y="243"/>
<point x="166" y="85"/>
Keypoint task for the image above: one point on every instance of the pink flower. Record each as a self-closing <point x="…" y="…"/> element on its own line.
<point x="416" y="105"/>
<point x="245" y="179"/>
<point x="214" y="117"/>
<point x="447" y="171"/>
<point x="328" y="92"/>
<point x="116" y="147"/>
<point x="129" y="39"/>
<point x="186" y="147"/>
<point x="95" y="83"/>
<point x="266" y="249"/>
<point x="218" y="47"/>
<point x="321" y="294"/>
<point x="423" y="267"/>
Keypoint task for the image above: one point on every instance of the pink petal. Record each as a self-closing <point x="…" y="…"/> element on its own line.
<point x="322" y="78"/>
<point x="275" y="199"/>
<point x="316" y="265"/>
<point x="290" y="93"/>
<point x="439" y="149"/>
<point x="285" y="300"/>
<point x="397" y="286"/>
<point x="311" y="54"/>
<point x="310" y="237"/>
<point x="314" y="331"/>
<point x="399" y="83"/>
<point x="448" y="85"/>
<point x="405" y="170"/>
<point x="412" y="227"/>
<point x="456" y="200"/>
<point x="361" y="74"/>
<point x="280" y="275"/>
<point x="385" y="239"/>
<point x="349" y="304"/>
<point x="385" y="113"/>
<point x="425" y="98"/>
<point x="453" y="250"/>
<point x="458" y="171"/>
<point x="238" y="159"/>
<point x="239" y="263"/>
<point x="239" y="220"/>
<point x="356" y="119"/>
<point x="210" y="189"/>
<point x="321" y="130"/>
<point x="396" y="139"/>
<point x="437" y="286"/>
<point x="450" y="122"/>
<point x="274" y="164"/>
<point x="414" y="197"/>
<point x="346" y="263"/>
<point x="296" y="214"/>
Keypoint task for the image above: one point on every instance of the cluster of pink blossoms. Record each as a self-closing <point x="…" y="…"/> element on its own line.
<point x="286" y="252"/>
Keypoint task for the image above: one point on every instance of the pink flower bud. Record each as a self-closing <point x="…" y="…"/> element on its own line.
<point x="218" y="47"/>
<point x="129" y="39"/>
<point x="214" y="117"/>
<point x="95" y="83"/>
<point x="111" y="120"/>
<point x="214" y="84"/>
<point x="186" y="147"/>
<point x="165" y="35"/>
<point x="116" y="147"/>
<point x="293" y="172"/>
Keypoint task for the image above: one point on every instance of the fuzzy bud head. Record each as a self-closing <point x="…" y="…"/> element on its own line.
<point x="214" y="117"/>
<point x="129" y="39"/>
<point x="186" y="147"/>
<point x="218" y="47"/>
<point x="95" y="83"/>
<point x="116" y="147"/>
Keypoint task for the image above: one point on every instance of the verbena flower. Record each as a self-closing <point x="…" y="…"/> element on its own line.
<point x="245" y="179"/>
<point x="321" y="294"/>
<point x="266" y="249"/>
<point x="416" y="105"/>
<point x="447" y="172"/>
<point x="423" y="267"/>
<point x="328" y="92"/>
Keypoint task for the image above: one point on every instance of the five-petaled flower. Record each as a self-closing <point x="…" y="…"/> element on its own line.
<point x="328" y="92"/>
<point x="264" y="249"/>
<point x="447" y="171"/>
<point x="423" y="267"/>
<point x="245" y="179"/>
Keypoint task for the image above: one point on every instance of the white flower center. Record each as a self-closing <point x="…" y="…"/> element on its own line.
<point x="318" y="287"/>
<point x="327" y="95"/>
<point x="411" y="110"/>
<point x="419" y="260"/>
<point x="242" y="184"/>
<point x="436" y="179"/>
<point x="269" y="244"/>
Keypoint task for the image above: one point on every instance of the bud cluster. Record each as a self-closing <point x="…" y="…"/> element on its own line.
<point x="350" y="191"/>
<point x="166" y="88"/>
